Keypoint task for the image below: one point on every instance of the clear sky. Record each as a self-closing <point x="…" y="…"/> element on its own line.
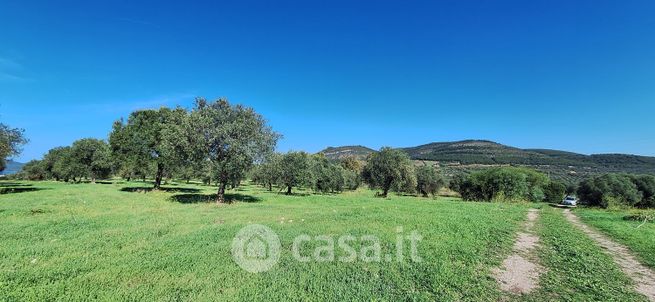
<point x="572" y="75"/>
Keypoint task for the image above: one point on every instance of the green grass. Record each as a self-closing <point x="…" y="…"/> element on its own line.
<point x="576" y="268"/>
<point x="639" y="238"/>
<point x="114" y="242"/>
<point x="82" y="241"/>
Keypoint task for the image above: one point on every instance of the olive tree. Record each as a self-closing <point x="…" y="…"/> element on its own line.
<point x="555" y="191"/>
<point x="294" y="170"/>
<point x="91" y="158"/>
<point x="389" y="168"/>
<point x="504" y="184"/>
<point x="266" y="173"/>
<point x="428" y="181"/>
<point x="33" y="170"/>
<point x="11" y="140"/>
<point x="326" y="176"/>
<point x="646" y="185"/>
<point x="52" y="158"/>
<point x="609" y="190"/>
<point x="140" y="145"/>
<point x="64" y="164"/>
<point x="229" y="138"/>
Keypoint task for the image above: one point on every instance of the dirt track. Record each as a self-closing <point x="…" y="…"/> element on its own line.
<point x="519" y="273"/>
<point x="643" y="277"/>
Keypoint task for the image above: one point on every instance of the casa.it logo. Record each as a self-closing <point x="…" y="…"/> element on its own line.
<point x="256" y="248"/>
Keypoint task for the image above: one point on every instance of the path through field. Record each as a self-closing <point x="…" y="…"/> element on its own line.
<point x="519" y="273"/>
<point x="643" y="277"/>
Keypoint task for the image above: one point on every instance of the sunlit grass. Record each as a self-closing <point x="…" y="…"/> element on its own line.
<point x="120" y="241"/>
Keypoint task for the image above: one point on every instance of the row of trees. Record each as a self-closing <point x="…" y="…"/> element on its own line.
<point x="214" y="141"/>
<point x="387" y="170"/>
<point x="86" y="158"/>
<point x="295" y="169"/>
<point x="11" y="141"/>
<point x="618" y="190"/>
<point x="519" y="184"/>
<point x="503" y="184"/>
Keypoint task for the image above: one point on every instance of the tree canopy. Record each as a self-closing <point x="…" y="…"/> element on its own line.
<point x="504" y="184"/>
<point x="11" y="140"/>
<point x="389" y="168"/>
<point x="229" y="138"/>
<point x="140" y="146"/>
<point x="428" y="181"/>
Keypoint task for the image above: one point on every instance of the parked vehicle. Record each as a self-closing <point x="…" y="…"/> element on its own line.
<point x="570" y="201"/>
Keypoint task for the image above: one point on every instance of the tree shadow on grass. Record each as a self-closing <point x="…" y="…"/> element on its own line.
<point x="165" y="189"/>
<point x="12" y="190"/>
<point x="201" y="198"/>
<point x="99" y="182"/>
<point x="294" y="194"/>
<point x="13" y="184"/>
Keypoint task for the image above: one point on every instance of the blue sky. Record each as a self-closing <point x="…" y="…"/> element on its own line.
<point x="572" y="75"/>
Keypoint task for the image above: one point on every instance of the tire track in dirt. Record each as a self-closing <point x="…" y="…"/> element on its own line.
<point x="519" y="273"/>
<point x="643" y="277"/>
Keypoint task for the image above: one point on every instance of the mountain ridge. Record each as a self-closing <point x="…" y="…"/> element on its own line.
<point x="459" y="156"/>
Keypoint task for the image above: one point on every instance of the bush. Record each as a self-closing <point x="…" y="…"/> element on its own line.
<point x="555" y="191"/>
<point x="609" y="190"/>
<point x="504" y="184"/>
<point x="33" y="170"/>
<point x="646" y="185"/>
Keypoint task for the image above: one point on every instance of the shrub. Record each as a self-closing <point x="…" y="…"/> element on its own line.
<point x="609" y="190"/>
<point x="555" y="191"/>
<point x="33" y="170"/>
<point x="646" y="185"/>
<point x="504" y="184"/>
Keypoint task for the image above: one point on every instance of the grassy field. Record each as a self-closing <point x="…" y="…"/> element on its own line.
<point x="638" y="236"/>
<point x="119" y="241"/>
<point x="577" y="269"/>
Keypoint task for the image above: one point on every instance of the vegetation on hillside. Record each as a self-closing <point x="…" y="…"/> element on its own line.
<point x="463" y="157"/>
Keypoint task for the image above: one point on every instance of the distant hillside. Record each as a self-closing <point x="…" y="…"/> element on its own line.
<point x="462" y="156"/>
<point x="476" y="152"/>
<point x="12" y="167"/>
<point x="359" y="152"/>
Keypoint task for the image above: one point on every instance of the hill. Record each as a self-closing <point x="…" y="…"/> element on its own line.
<point x="359" y="152"/>
<point x="12" y="167"/>
<point x="463" y="156"/>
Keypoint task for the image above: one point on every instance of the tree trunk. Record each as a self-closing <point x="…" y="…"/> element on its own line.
<point x="385" y="191"/>
<point x="220" y="196"/>
<point x="128" y="178"/>
<point x="288" y="190"/>
<point x="387" y="185"/>
<point x="159" y="176"/>
<point x="270" y="187"/>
